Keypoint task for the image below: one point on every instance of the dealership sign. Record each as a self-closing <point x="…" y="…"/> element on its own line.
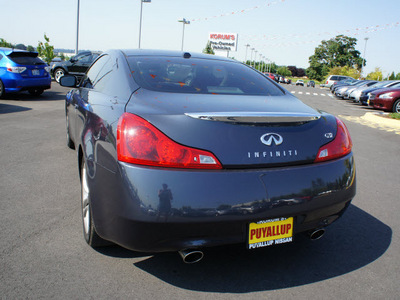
<point x="223" y="41"/>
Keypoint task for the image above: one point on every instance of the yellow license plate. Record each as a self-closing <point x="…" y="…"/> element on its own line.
<point x="270" y="232"/>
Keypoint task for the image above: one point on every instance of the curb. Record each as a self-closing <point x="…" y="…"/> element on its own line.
<point x="381" y="119"/>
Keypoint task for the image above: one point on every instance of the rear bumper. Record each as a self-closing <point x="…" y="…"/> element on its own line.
<point x="211" y="208"/>
<point x="17" y="83"/>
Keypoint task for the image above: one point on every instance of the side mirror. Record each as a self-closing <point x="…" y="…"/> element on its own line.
<point x="68" y="81"/>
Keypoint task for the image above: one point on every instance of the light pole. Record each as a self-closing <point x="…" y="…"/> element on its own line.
<point x="255" y="57"/>
<point x="260" y="63"/>
<point x="245" y="58"/>
<point x="140" y="25"/>
<point x="185" y="22"/>
<point x="251" y="56"/>
<point x="365" y="49"/>
<point x="77" y="29"/>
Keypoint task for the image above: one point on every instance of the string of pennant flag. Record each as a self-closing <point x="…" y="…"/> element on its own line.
<point x="238" y="11"/>
<point x="355" y="31"/>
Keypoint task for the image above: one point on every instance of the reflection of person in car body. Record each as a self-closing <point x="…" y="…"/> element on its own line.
<point x="165" y="197"/>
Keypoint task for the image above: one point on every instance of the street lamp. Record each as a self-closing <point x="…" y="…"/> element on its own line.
<point x="140" y="25"/>
<point x="245" y="58"/>
<point x="365" y="49"/>
<point x="251" y="56"/>
<point x="255" y="57"/>
<point x="185" y="22"/>
<point x="77" y="29"/>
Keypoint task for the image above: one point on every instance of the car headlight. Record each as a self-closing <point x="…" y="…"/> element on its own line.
<point x="385" y="96"/>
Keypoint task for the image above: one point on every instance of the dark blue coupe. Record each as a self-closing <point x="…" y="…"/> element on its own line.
<point x="180" y="151"/>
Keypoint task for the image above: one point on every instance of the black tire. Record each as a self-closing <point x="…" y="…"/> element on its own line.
<point x="35" y="92"/>
<point x="396" y="106"/>
<point x="58" y="73"/>
<point x="70" y="143"/>
<point x="2" y="91"/>
<point x="89" y="231"/>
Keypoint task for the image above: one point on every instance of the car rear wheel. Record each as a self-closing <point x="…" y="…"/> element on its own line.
<point x="35" y="92"/>
<point x="1" y="89"/>
<point x="396" y="106"/>
<point x="58" y="73"/>
<point x="89" y="232"/>
<point x="70" y="143"/>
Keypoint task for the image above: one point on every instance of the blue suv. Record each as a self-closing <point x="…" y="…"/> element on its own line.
<point x="23" y="71"/>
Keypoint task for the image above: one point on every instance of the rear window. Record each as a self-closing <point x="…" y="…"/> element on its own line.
<point x="334" y="78"/>
<point x="199" y="76"/>
<point x="25" y="58"/>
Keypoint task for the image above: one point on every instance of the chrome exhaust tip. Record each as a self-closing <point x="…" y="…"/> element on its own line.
<point x="316" y="234"/>
<point x="191" y="256"/>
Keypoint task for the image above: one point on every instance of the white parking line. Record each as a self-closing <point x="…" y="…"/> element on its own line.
<point x="315" y="94"/>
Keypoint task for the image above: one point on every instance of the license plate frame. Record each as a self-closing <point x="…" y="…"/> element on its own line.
<point x="35" y="72"/>
<point x="270" y="232"/>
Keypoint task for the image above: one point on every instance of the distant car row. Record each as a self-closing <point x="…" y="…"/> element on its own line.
<point x="383" y="95"/>
<point x="278" y="78"/>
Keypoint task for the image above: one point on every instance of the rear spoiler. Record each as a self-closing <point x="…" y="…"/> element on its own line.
<point x="18" y="53"/>
<point x="255" y="117"/>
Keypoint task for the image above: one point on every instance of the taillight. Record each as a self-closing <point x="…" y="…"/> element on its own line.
<point x="339" y="147"/>
<point x="139" y="142"/>
<point x="15" y="69"/>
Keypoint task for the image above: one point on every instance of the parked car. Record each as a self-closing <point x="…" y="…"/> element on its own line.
<point x="300" y="82"/>
<point x="347" y="92"/>
<point x="334" y="78"/>
<point x="384" y="84"/>
<point x="387" y="99"/>
<point x="340" y="90"/>
<point x="337" y="84"/>
<point x="311" y="83"/>
<point x="356" y="93"/>
<point x="76" y="65"/>
<point x="23" y="71"/>
<point x="270" y="75"/>
<point x="200" y="134"/>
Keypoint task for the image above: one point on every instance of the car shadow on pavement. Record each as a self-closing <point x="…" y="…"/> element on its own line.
<point x="354" y="241"/>
<point x="7" y="108"/>
<point x="50" y="95"/>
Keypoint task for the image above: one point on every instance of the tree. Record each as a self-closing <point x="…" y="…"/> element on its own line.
<point x="284" y="71"/>
<point x="376" y="75"/>
<point x="336" y="52"/>
<point x="20" y="47"/>
<point x="345" y="71"/>
<point x="30" y="48"/>
<point x="4" y="43"/>
<point x="208" y="49"/>
<point x="392" y="76"/>
<point x="46" y="50"/>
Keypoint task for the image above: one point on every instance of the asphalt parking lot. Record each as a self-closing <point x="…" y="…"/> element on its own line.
<point x="44" y="256"/>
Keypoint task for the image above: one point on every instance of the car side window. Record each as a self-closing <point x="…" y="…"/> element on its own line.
<point x="84" y="59"/>
<point x="101" y="79"/>
<point x="94" y="71"/>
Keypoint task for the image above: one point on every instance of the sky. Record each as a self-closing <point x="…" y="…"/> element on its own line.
<point x="284" y="31"/>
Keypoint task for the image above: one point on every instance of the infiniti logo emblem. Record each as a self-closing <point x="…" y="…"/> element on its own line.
<point x="270" y="138"/>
